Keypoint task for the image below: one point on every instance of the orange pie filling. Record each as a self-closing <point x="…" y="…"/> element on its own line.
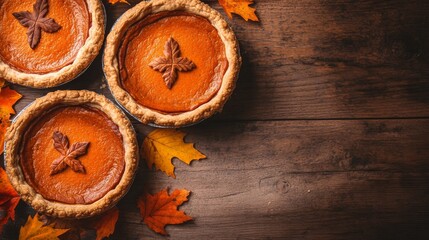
<point x="145" y="65"/>
<point x="56" y="49"/>
<point x="94" y="150"/>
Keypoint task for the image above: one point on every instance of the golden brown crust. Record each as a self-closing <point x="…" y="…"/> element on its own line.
<point x="149" y="116"/>
<point x="14" y="137"/>
<point x="85" y="56"/>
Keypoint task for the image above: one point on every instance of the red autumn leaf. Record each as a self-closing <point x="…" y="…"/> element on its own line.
<point x="9" y="199"/>
<point x="8" y="98"/>
<point x="161" y="209"/>
<point x="105" y="224"/>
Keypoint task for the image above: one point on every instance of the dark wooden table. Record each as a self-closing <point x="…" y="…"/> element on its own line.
<point x="325" y="137"/>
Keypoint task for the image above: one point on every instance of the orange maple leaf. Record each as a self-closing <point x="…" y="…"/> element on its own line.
<point x="118" y="1"/>
<point x="8" y="98"/>
<point x="105" y="224"/>
<point x="98" y="227"/>
<point x="240" y="7"/>
<point x="161" y="209"/>
<point x="36" y="229"/>
<point x="9" y="199"/>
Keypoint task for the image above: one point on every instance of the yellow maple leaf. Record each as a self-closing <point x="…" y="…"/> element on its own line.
<point x="240" y="7"/>
<point x="118" y="1"/>
<point x="8" y="98"/>
<point x="35" y="230"/>
<point x="162" y="145"/>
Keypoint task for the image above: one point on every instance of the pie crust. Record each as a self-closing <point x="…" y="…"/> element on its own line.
<point x="15" y="135"/>
<point x="84" y="57"/>
<point x="159" y="118"/>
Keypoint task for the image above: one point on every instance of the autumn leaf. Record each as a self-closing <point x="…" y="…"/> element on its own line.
<point x="105" y="224"/>
<point x="118" y="1"/>
<point x="8" y="98"/>
<point x="2" y="83"/>
<point x="9" y="199"/>
<point x="162" y="145"/>
<point x="161" y="209"/>
<point x="240" y="7"/>
<point x="34" y="229"/>
<point x="98" y="227"/>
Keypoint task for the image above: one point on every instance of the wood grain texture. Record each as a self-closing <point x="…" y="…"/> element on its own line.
<point x="325" y="137"/>
<point x="323" y="60"/>
<point x="295" y="179"/>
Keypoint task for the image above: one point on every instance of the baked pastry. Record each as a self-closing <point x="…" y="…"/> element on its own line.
<point x="71" y="154"/>
<point x="46" y="43"/>
<point x="171" y="63"/>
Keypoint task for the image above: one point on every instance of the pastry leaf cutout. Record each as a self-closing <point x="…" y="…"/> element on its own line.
<point x="171" y="63"/>
<point x="68" y="154"/>
<point x="36" y="22"/>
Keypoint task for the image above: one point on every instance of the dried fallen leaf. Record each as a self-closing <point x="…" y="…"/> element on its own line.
<point x="34" y="229"/>
<point x="118" y="1"/>
<point x="105" y="224"/>
<point x="98" y="227"/>
<point x="161" y="209"/>
<point x="9" y="199"/>
<point x="2" y="83"/>
<point x="161" y="145"/>
<point x="240" y="7"/>
<point x="8" y="98"/>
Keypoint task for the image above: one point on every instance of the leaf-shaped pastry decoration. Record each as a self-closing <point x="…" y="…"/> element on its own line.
<point x="58" y="165"/>
<point x="68" y="154"/>
<point x="61" y="142"/>
<point x="171" y="63"/>
<point x="36" y="22"/>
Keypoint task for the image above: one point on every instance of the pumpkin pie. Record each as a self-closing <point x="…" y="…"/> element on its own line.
<point x="171" y="63"/>
<point x="46" y="42"/>
<point x="71" y="154"/>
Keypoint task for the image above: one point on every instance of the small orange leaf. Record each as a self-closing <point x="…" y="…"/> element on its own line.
<point x="162" y="145"/>
<point x="105" y="224"/>
<point x="9" y="199"/>
<point x="2" y="83"/>
<point x="240" y="7"/>
<point x="35" y="229"/>
<point x="161" y="209"/>
<point x="8" y="98"/>
<point x="118" y="1"/>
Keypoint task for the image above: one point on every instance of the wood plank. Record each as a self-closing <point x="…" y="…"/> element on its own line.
<point x="322" y="60"/>
<point x="298" y="180"/>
